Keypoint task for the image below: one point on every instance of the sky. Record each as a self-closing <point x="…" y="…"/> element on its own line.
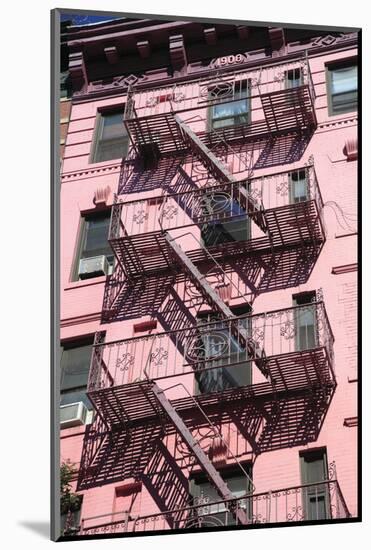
<point x="87" y="19"/>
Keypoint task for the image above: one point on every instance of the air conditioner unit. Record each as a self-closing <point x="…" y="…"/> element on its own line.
<point x="93" y="267"/>
<point x="73" y="414"/>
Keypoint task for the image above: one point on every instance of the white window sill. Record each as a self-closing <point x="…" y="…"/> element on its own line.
<point x="87" y="282"/>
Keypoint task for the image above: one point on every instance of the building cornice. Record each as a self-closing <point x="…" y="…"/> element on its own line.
<point x="250" y="60"/>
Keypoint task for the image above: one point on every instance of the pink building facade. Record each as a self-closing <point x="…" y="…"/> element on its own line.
<point x="209" y="276"/>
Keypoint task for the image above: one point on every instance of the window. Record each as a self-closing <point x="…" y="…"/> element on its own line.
<point x="298" y="186"/>
<point x="231" y="113"/>
<point x="111" y="139"/>
<point x="315" y="496"/>
<point x="293" y="78"/>
<point x="238" y="484"/>
<point x="219" y="347"/>
<point x="342" y="87"/>
<point x="75" y="365"/>
<point x="94" y="242"/>
<point x="305" y="321"/>
<point x="236" y="225"/>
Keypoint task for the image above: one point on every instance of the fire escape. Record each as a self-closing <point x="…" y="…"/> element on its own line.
<point x="154" y="238"/>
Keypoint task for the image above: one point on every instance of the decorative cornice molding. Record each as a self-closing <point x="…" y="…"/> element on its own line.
<point x="211" y="37"/>
<point x="81" y="319"/>
<point x="249" y="59"/>
<point x="77" y="71"/>
<point x="243" y="32"/>
<point x="112" y="55"/>
<point x="339" y="122"/>
<point x="89" y="172"/>
<point x="144" y="49"/>
<point x="178" y="55"/>
<point x="277" y="38"/>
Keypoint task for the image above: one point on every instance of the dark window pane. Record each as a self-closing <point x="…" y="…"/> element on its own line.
<point x="231" y="113"/>
<point x="112" y="138"/>
<point x="75" y="366"/>
<point x="345" y="101"/>
<point x="306" y="327"/>
<point x="343" y="88"/>
<point x="317" y="507"/>
<point x="344" y="79"/>
<point x="113" y="126"/>
<point x="293" y="78"/>
<point x="305" y="321"/>
<point x="298" y="186"/>
<point x="111" y="149"/>
<point x="316" y="498"/>
<point x="220" y="348"/>
<point x="238" y="484"/>
<point x="236" y="227"/>
<point x="96" y="242"/>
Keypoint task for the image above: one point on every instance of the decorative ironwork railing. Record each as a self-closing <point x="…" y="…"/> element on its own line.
<point x="219" y="88"/>
<point x="214" y="345"/>
<point x="217" y="203"/>
<point x="311" y="502"/>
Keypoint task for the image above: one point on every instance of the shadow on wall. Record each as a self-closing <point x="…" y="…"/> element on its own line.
<point x="137" y="176"/>
<point x="157" y="296"/>
<point x="134" y="178"/>
<point x="283" y="149"/>
<point x="142" y="453"/>
<point x="115" y="455"/>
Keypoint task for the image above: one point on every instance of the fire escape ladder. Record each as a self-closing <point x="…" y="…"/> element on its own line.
<point x="216" y="303"/>
<point x="202" y="459"/>
<point x="217" y="169"/>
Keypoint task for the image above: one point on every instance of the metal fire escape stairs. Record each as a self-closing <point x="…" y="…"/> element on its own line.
<point x="216" y="303"/>
<point x="211" y="297"/>
<point x="220" y="172"/>
<point x="197" y="451"/>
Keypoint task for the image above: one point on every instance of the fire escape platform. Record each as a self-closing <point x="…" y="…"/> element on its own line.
<point x="287" y="109"/>
<point x="291" y="373"/>
<point x="158" y="131"/>
<point x="149" y="253"/>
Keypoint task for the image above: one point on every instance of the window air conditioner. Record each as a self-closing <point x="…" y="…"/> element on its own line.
<point x="73" y="414"/>
<point x="93" y="267"/>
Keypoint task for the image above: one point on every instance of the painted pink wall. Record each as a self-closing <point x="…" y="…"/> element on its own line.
<point x="81" y="302"/>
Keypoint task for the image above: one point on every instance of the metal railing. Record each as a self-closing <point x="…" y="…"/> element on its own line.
<point x="220" y="202"/>
<point x="311" y="502"/>
<point x="222" y="87"/>
<point x="214" y="345"/>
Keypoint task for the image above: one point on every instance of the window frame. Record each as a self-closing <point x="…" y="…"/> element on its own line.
<point x="215" y="103"/>
<point x="82" y="233"/>
<point x="238" y="311"/>
<point x="98" y="130"/>
<point x="228" y="222"/>
<point x="82" y="341"/>
<point x="301" y="78"/>
<point x="310" y="294"/>
<point x="304" y="480"/>
<point x="333" y="65"/>
<point x="292" y="185"/>
<point x="226" y="472"/>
